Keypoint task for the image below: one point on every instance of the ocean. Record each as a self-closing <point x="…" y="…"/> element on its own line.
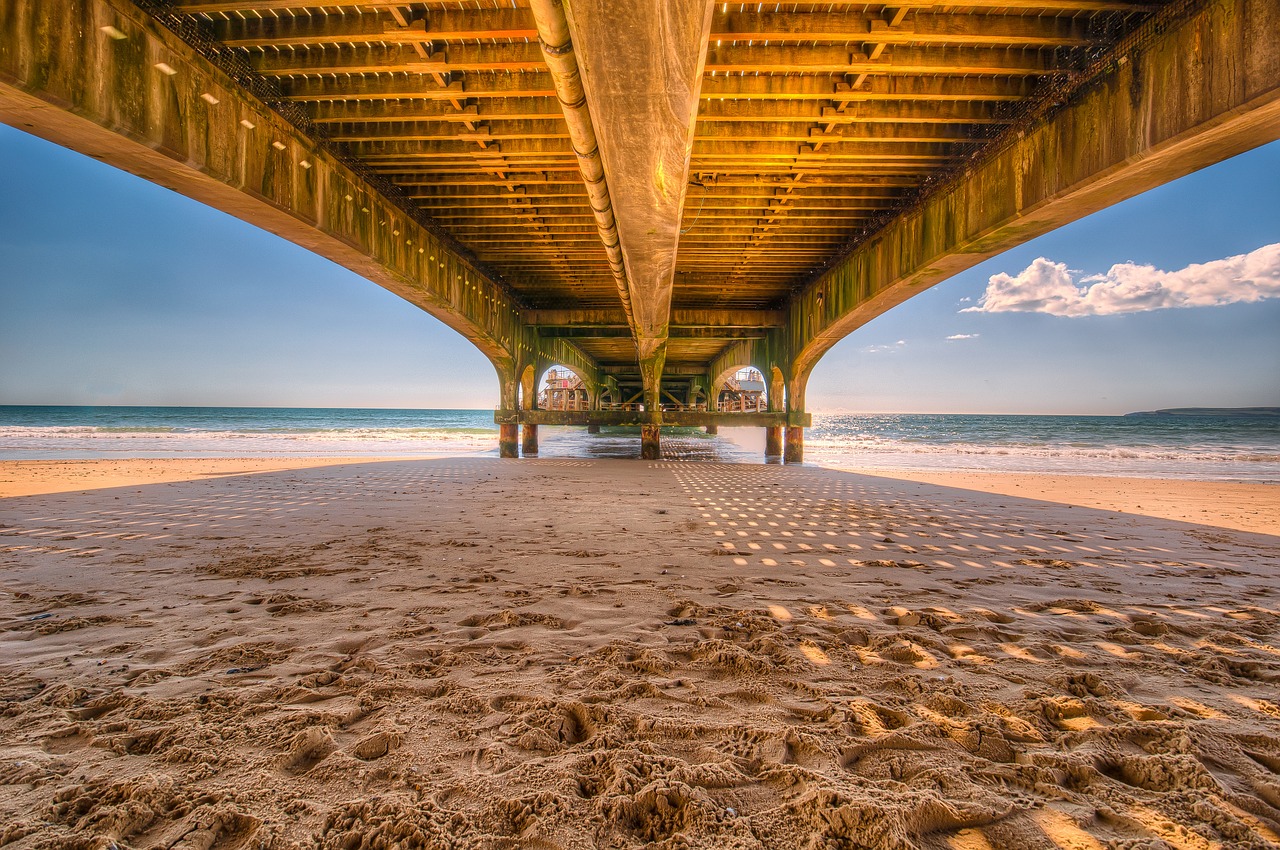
<point x="1216" y="448"/>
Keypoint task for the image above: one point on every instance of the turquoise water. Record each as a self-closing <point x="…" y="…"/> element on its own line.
<point x="1216" y="448"/>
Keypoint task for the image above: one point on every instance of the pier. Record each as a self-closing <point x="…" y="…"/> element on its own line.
<point x="652" y="196"/>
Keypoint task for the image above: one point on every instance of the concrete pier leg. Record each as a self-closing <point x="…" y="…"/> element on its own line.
<point x="650" y="447"/>
<point x="795" y="445"/>
<point x="593" y="429"/>
<point x="529" y="441"/>
<point x="773" y="441"/>
<point x="508" y="441"/>
<point x="713" y="429"/>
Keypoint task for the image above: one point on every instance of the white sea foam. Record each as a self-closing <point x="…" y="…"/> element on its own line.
<point x="34" y="442"/>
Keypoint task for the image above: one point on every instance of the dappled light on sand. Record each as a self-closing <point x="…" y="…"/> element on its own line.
<point x="731" y="657"/>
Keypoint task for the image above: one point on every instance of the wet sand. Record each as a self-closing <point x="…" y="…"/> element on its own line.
<point x="566" y="653"/>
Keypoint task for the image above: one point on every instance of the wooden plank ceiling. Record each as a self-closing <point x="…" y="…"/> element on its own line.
<point x="816" y="119"/>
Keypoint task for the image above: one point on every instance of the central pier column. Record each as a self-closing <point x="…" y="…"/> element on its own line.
<point x="593" y="429"/>
<point x="650" y="443"/>
<point x="773" y="441"/>
<point x="713" y="429"/>
<point x="650" y="432"/>
<point x="529" y="441"/>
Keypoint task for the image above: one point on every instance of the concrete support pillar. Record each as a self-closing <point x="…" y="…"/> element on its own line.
<point x="509" y="392"/>
<point x="773" y="441"/>
<point x="593" y="429"/>
<point x="713" y="429"/>
<point x="508" y="441"/>
<point x="529" y="441"/>
<point x="795" y="445"/>
<point x="650" y="447"/>
<point x="793" y="452"/>
<point x="651" y="374"/>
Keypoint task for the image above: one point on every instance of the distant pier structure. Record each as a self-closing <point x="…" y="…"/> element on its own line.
<point x="563" y="391"/>
<point x="650" y="197"/>
<point x="742" y="393"/>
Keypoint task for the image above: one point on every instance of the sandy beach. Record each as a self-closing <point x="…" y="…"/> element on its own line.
<point x="475" y="653"/>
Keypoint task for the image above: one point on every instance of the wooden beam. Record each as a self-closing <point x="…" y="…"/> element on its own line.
<point x="849" y="26"/>
<point x="399" y="59"/>
<point x="377" y="28"/>
<point x="459" y="144"/>
<point x="439" y="109"/>
<point x="869" y="112"/>
<point x="784" y="131"/>
<point x="839" y="59"/>
<point x="894" y="88"/>
<point x="433" y="131"/>
<point x="417" y="86"/>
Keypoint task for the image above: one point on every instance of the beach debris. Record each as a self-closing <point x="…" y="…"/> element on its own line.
<point x="234" y="670"/>
<point x="683" y="621"/>
<point x="43" y="616"/>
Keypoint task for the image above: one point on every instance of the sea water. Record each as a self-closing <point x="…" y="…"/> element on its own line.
<point x="1202" y="447"/>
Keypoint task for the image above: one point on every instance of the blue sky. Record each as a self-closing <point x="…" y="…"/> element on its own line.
<point x="116" y="291"/>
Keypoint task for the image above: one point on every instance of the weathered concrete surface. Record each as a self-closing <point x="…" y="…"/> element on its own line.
<point x="508" y="440"/>
<point x="793" y="452"/>
<point x="773" y="441"/>
<point x="642" y="67"/>
<point x="1201" y="93"/>
<point x="649" y="442"/>
<point x="529" y="440"/>
<point x="64" y="78"/>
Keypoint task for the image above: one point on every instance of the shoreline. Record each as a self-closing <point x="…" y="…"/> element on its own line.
<point x="1239" y="506"/>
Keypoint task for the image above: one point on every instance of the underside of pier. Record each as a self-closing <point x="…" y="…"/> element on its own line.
<point x="652" y="195"/>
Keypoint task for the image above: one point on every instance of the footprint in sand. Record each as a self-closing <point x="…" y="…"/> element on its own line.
<point x="307" y="749"/>
<point x="377" y="745"/>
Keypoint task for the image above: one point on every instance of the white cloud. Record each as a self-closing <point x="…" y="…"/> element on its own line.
<point x="964" y="336"/>
<point x="1049" y="287"/>
<point x="880" y="349"/>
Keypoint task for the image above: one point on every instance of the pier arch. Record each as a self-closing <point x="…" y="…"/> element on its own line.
<point x="740" y="389"/>
<point x="528" y="388"/>
<point x="562" y="388"/>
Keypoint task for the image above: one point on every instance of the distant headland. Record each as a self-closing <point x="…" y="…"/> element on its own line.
<point x="1210" y="411"/>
